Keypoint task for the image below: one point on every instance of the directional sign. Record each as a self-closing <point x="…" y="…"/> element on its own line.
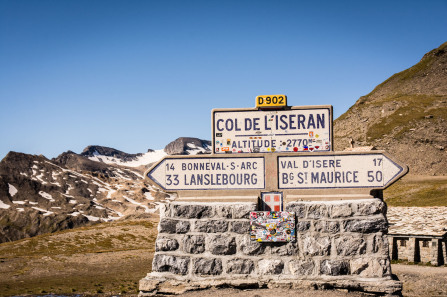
<point x="371" y="170"/>
<point x="299" y="129"/>
<point x="209" y="173"/>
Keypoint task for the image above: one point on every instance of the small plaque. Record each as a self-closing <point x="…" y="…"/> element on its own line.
<point x="272" y="101"/>
<point x="272" y="226"/>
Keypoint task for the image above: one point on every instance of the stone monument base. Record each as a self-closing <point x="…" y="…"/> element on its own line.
<point x="339" y="244"/>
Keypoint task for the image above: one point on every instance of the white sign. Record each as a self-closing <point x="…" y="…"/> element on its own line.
<point x="210" y="173"/>
<point x="338" y="171"/>
<point x="253" y="131"/>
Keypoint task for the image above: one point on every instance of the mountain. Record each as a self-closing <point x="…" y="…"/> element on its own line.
<point x="38" y="195"/>
<point x="188" y="146"/>
<point x="406" y="115"/>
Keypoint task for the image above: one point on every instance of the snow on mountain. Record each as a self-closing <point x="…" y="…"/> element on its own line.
<point x="141" y="160"/>
<point x="193" y="149"/>
<point x="38" y="195"/>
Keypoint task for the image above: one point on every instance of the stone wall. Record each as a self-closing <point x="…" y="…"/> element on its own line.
<point x="339" y="244"/>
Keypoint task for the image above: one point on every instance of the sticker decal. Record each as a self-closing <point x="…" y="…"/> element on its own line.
<point x="272" y="226"/>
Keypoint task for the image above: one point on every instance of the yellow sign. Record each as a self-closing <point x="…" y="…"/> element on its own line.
<point x="271" y="101"/>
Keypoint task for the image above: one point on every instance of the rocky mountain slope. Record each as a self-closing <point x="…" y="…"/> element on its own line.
<point x="406" y="115"/>
<point x="38" y="195"/>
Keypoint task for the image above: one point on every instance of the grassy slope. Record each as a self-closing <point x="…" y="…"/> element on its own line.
<point x="417" y="191"/>
<point x="107" y="258"/>
<point x="413" y="106"/>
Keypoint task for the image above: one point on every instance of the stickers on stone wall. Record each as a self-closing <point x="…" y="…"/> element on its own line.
<point x="272" y="226"/>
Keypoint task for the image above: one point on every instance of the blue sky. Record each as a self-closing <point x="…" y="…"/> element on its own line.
<point x="135" y="75"/>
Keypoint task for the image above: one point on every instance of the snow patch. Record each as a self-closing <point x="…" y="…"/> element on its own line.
<point x="92" y="218"/>
<point x="72" y="201"/>
<point x="145" y="159"/>
<point x="46" y="196"/>
<point x="148" y="196"/>
<point x="4" y="205"/>
<point x="19" y="202"/>
<point x="46" y="212"/>
<point x="12" y="190"/>
<point x="137" y="203"/>
<point x="109" y="195"/>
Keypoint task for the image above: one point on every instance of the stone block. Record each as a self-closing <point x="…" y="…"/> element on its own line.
<point x="327" y="226"/>
<point x="207" y="266"/>
<point x="368" y="208"/>
<point x="173" y="226"/>
<point x="223" y="211"/>
<point x="240" y="266"/>
<point x="317" y="211"/>
<point x="172" y="264"/>
<point x="252" y="248"/>
<point x="242" y="211"/>
<point x="211" y="226"/>
<point x="194" y="244"/>
<point x="370" y="267"/>
<point x="350" y="246"/>
<point x="360" y="266"/>
<point x="283" y="249"/>
<point x="222" y="245"/>
<point x="366" y="226"/>
<point x="298" y="208"/>
<point x="340" y="210"/>
<point x="334" y="267"/>
<point x="302" y="226"/>
<point x="380" y="244"/>
<point x="269" y="266"/>
<point x="193" y="211"/>
<point x="241" y="227"/>
<point x="316" y="246"/>
<point x="302" y="267"/>
<point x="166" y="244"/>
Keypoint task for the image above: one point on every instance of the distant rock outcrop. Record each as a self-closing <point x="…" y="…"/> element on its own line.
<point x="406" y="115"/>
<point x="188" y="146"/>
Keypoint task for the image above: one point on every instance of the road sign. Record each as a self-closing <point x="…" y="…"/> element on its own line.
<point x="343" y="170"/>
<point x="298" y="129"/>
<point x="209" y="173"/>
<point x="271" y="101"/>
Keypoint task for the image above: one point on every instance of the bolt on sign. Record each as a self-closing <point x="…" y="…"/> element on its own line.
<point x="209" y="173"/>
<point x="298" y="129"/>
<point x="349" y="170"/>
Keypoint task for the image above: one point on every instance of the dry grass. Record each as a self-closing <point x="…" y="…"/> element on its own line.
<point x="105" y="259"/>
<point x="417" y="191"/>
